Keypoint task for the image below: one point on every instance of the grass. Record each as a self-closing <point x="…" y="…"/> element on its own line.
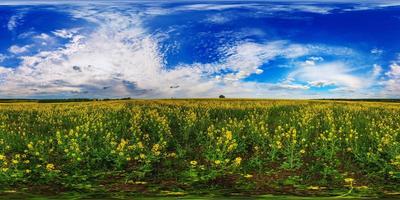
<point x="202" y="147"/>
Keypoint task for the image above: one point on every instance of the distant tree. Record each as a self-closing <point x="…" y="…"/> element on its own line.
<point x="221" y="96"/>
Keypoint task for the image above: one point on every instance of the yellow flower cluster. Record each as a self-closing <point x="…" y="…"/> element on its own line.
<point x="50" y="167"/>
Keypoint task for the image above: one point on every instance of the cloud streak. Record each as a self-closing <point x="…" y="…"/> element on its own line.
<point x="14" y="21"/>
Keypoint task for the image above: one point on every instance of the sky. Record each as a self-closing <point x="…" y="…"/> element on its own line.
<point x="194" y="49"/>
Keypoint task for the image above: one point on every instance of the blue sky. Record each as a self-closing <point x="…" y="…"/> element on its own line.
<point x="163" y="49"/>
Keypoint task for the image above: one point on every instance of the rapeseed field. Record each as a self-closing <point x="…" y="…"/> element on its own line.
<point x="182" y="146"/>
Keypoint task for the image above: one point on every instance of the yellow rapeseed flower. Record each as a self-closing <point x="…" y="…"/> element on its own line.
<point x="172" y="155"/>
<point x="313" y="187"/>
<point x="50" y="167"/>
<point x="30" y="145"/>
<point x="193" y="162"/>
<point x="237" y="161"/>
<point x="228" y="135"/>
<point x="248" y="176"/>
<point x="232" y="146"/>
<point x="348" y="180"/>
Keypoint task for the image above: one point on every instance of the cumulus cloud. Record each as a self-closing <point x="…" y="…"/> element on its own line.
<point x="66" y="34"/>
<point x="341" y="78"/>
<point x="4" y="70"/>
<point x="311" y="61"/>
<point x="392" y="83"/>
<point x="15" y="49"/>
<point x="42" y="36"/>
<point x="334" y="73"/>
<point x="394" y="71"/>
<point x="247" y="58"/>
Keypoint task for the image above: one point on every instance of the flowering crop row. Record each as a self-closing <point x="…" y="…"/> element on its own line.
<point x="239" y="144"/>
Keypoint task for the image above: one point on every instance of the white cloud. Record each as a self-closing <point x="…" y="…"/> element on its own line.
<point x="392" y="83"/>
<point x="376" y="51"/>
<point x="347" y="81"/>
<point x="376" y="71"/>
<point x="15" y="49"/>
<point x="311" y="61"/>
<point x="316" y="58"/>
<point x="44" y="39"/>
<point x="269" y="7"/>
<point x="212" y="6"/>
<point x="4" y="70"/>
<point x="247" y="58"/>
<point x="14" y="21"/>
<point x="42" y="36"/>
<point x="66" y="34"/>
<point x="3" y="73"/>
<point x="217" y="19"/>
<point x="372" y="5"/>
<point x="27" y="34"/>
<point x="335" y="73"/>
<point x="46" y="2"/>
<point x="319" y="9"/>
<point x="2" y="57"/>
<point x="394" y="71"/>
<point x="320" y="83"/>
<point x="289" y="87"/>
